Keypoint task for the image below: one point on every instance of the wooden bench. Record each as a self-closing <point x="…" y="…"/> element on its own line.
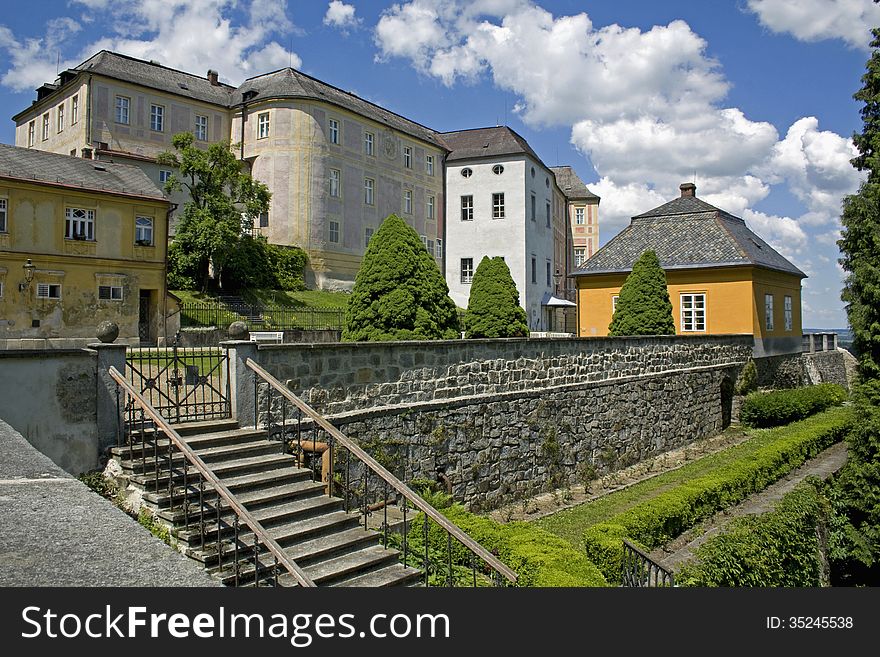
<point x="276" y="337"/>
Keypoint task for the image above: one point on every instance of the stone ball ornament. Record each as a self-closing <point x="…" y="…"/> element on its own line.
<point x="107" y="332"/>
<point x="238" y="331"/>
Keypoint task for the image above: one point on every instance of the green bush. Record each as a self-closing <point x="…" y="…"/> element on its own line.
<point x="643" y="307"/>
<point x="747" y="381"/>
<point x="779" y="548"/>
<point x="493" y="306"/>
<point x="539" y="558"/>
<point x="658" y="520"/>
<point x="772" y="409"/>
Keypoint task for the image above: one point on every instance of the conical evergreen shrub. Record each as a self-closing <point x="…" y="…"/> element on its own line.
<point x="493" y="306"/>
<point x="643" y="307"/>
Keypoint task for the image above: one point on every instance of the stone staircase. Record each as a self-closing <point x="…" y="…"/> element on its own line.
<point x="315" y="531"/>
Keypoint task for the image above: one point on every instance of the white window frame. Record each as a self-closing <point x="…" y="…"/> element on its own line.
<point x="46" y="126"/>
<point x="692" y="319"/>
<point x="429" y="165"/>
<point x="424" y="241"/>
<point x="32" y="133"/>
<point x="466" y="269"/>
<point x="79" y="221"/>
<point x="580" y="255"/>
<point x="498" y="205"/>
<point x="74" y="109"/>
<point x="45" y="290"/>
<point x="333" y="231"/>
<point x="122" y="111"/>
<point x="113" y="292"/>
<point x="768" y="312"/>
<point x="4" y="215"/>
<point x="438" y="248"/>
<point x="164" y="175"/>
<point x="368" y="235"/>
<point x="335" y="180"/>
<point x="143" y="230"/>
<point x="407" y="157"/>
<point x="333" y="129"/>
<point x="59" y="116"/>
<point x="429" y="207"/>
<point x="579" y="216"/>
<point x="407" y="201"/>
<point x="263" y="125"/>
<point x="467" y="207"/>
<point x="201" y="127"/>
<point x="787" y="309"/>
<point x="263" y="219"/>
<point x="369" y="143"/>
<point x="157" y="117"/>
<point x="614" y="299"/>
<point x="430" y="246"/>
<point x="369" y="191"/>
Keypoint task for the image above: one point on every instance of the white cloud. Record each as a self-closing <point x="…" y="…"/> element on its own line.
<point x="814" y="20"/>
<point x="192" y="35"/>
<point x="621" y="202"/>
<point x="782" y="233"/>
<point x="341" y="16"/>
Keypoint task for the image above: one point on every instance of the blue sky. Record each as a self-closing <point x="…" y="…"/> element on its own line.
<point x="751" y="97"/>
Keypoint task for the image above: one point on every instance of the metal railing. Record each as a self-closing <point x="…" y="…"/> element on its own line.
<point x="160" y="458"/>
<point x="258" y="316"/>
<point x="639" y="570"/>
<point x="383" y="481"/>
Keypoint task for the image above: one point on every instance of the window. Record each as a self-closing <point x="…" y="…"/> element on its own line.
<point x="429" y="165"/>
<point x="430" y="246"/>
<point x="768" y="311"/>
<point x="110" y="292"/>
<point x="1" y="289"/>
<point x="59" y="113"/>
<point x="424" y="241"/>
<point x="467" y="208"/>
<point x="74" y="110"/>
<point x="263" y="125"/>
<point x="693" y="312"/>
<point x="407" y="157"/>
<point x="368" y="235"/>
<point x="157" y="118"/>
<point x="334" y="131"/>
<point x="368" y="191"/>
<point x="143" y="231"/>
<point x="32" y="129"/>
<point x="534" y="204"/>
<point x="534" y="270"/>
<point x="438" y="252"/>
<point x="614" y="303"/>
<point x="264" y="220"/>
<point x="548" y="214"/>
<point x="334" y="232"/>
<point x="334" y="183"/>
<point x="45" y="126"/>
<point x="79" y="224"/>
<point x="407" y="201"/>
<point x="3" y="212"/>
<point x="164" y="175"/>
<point x="49" y="291"/>
<point x="580" y="255"/>
<point x="466" y="172"/>
<point x="201" y="127"/>
<point x="467" y="270"/>
<point x="498" y="169"/>
<point x="429" y="207"/>
<point x="533" y="172"/>
<point x="368" y="143"/>
<point x="122" y="106"/>
<point x="787" y="308"/>
<point x="548" y="274"/>
<point x="498" y="206"/>
<point x="579" y="216"/>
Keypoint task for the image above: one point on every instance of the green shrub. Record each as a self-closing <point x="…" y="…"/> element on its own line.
<point x="656" y="521"/>
<point x="747" y="381"/>
<point x="539" y="558"/>
<point x="772" y="409"/>
<point x="779" y="548"/>
<point x="493" y="306"/>
<point x="643" y="307"/>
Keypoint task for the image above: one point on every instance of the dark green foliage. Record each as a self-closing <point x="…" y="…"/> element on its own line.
<point x="258" y="264"/>
<point x="660" y="519"/>
<point x="399" y="293"/>
<point x="643" y="307"/>
<point x="493" y="306"/>
<point x="772" y="409"/>
<point x="779" y="548"/>
<point x="747" y="381"/>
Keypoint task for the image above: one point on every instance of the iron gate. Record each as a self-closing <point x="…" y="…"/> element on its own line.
<point x="183" y="384"/>
<point x="639" y="570"/>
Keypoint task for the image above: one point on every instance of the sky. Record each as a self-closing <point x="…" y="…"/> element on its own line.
<point x="750" y="99"/>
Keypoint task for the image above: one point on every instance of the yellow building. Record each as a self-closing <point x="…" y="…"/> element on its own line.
<point x="81" y="241"/>
<point x="722" y="277"/>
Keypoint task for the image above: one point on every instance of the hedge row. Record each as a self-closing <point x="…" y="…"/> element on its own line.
<point x="779" y="548"/>
<point x="539" y="558"/>
<point x="772" y="409"/>
<point x="656" y="521"/>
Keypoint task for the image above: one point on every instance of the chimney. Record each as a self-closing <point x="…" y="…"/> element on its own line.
<point x="212" y="77"/>
<point x="688" y="189"/>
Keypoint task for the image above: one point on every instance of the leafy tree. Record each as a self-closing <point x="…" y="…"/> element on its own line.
<point x="399" y="293"/>
<point x="223" y="203"/>
<point x="493" y="306"/>
<point x="643" y="307"/>
<point x="257" y="263"/>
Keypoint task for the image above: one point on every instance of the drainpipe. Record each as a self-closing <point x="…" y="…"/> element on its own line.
<point x="88" y="104"/>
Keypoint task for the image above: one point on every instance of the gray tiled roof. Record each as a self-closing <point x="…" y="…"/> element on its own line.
<point x="31" y="165"/>
<point x="571" y="184"/>
<point x="290" y="83"/>
<point x="486" y="142"/>
<point x="686" y="233"/>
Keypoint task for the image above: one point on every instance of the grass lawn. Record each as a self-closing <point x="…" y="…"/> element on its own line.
<point x="304" y="299"/>
<point x="571" y="523"/>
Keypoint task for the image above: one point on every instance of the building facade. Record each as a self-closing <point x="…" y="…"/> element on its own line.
<point x="583" y="215"/>
<point x="81" y="242"/>
<point x="722" y="277"/>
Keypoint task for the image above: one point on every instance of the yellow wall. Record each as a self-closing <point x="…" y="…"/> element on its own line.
<point x="732" y="294"/>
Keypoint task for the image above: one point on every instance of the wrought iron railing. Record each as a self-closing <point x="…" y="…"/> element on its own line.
<point x="639" y="570"/>
<point x="188" y="480"/>
<point x="258" y="316"/>
<point x="369" y="473"/>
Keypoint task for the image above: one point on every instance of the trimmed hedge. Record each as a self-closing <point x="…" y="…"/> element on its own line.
<point x="656" y="521"/>
<point x="772" y="409"/>
<point x="539" y="558"/>
<point x="778" y="548"/>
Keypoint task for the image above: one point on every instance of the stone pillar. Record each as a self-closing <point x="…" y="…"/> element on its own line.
<point x="108" y="416"/>
<point x="241" y="380"/>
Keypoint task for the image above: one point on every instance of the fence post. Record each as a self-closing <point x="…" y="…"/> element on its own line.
<point x="108" y="415"/>
<point x="241" y="385"/>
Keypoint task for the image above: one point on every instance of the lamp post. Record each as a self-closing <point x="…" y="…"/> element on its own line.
<point x="29" y="268"/>
<point x="556" y="278"/>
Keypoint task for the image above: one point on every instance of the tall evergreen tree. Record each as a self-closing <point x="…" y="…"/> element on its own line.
<point x="493" y="306"/>
<point x="643" y="306"/>
<point x="399" y="293"/>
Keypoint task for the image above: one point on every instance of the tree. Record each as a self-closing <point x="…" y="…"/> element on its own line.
<point x="223" y="203"/>
<point x="399" y="293"/>
<point x="643" y="307"/>
<point x="493" y="306"/>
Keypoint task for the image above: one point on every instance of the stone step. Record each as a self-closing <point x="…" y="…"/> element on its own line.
<point x="353" y="563"/>
<point x="391" y="575"/>
<point x="211" y="456"/>
<point x="243" y="466"/>
<point x="208" y="426"/>
<point x="197" y="443"/>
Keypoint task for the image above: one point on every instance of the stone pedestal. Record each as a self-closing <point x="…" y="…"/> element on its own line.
<point x="108" y="416"/>
<point x="241" y="380"/>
